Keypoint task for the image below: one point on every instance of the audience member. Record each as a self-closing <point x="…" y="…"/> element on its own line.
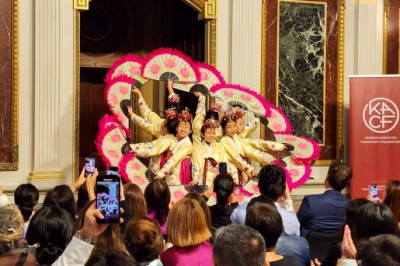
<point x="26" y="196"/>
<point x="135" y="197"/>
<point x="83" y="198"/>
<point x="203" y="204"/>
<point x="239" y="245"/>
<point x="188" y="232"/>
<point x="144" y="241"/>
<point x="13" y="251"/>
<point x="63" y="197"/>
<point x="272" y="183"/>
<point x="266" y="219"/>
<point x="325" y="212"/>
<point x="392" y="197"/>
<point x="223" y="186"/>
<point x="158" y="198"/>
<point x="111" y="257"/>
<point x="52" y="229"/>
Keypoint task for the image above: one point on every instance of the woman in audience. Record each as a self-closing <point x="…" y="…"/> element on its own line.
<point x="392" y="197"/>
<point x="26" y="196"/>
<point x="226" y="200"/>
<point x="188" y="232"/>
<point x="83" y="198"/>
<point x="266" y="219"/>
<point x="144" y="241"/>
<point x="136" y="200"/>
<point x="111" y="257"/>
<point x="52" y="229"/>
<point x="203" y="204"/>
<point x="61" y="196"/>
<point x="12" y="250"/>
<point x="158" y="197"/>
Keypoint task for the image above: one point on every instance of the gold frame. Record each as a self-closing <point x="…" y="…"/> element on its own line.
<point x="207" y="9"/>
<point x="340" y="77"/>
<point x="13" y="165"/>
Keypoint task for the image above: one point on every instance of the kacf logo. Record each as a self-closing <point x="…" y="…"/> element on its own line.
<point x="381" y="115"/>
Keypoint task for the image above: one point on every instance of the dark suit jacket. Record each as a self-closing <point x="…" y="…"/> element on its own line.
<point x="323" y="212"/>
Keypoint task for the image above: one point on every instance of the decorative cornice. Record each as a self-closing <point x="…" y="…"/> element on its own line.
<point x="81" y="4"/>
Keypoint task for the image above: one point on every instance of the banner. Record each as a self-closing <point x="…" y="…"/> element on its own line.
<point x="374" y="132"/>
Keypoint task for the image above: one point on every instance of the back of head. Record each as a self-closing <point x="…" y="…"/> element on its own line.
<point x="203" y="204"/>
<point x="143" y="239"/>
<point x="158" y="196"/>
<point x="51" y="228"/>
<point x="223" y="186"/>
<point x="63" y="197"/>
<point x="374" y="219"/>
<point x="260" y="199"/>
<point x="392" y="198"/>
<point x="238" y="245"/>
<point x="272" y="181"/>
<point x="351" y="210"/>
<point x="26" y="196"/>
<point x="265" y="219"/>
<point x="110" y="257"/>
<point x="381" y="250"/>
<point x="82" y="199"/>
<point x="186" y="224"/>
<point x="135" y="197"/>
<point x="11" y="227"/>
<point x="339" y="175"/>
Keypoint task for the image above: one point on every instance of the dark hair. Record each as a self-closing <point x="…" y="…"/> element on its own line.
<point x="51" y="228"/>
<point x="83" y="198"/>
<point x="223" y="187"/>
<point x="238" y="245"/>
<point x="392" y="198"/>
<point x="203" y="204"/>
<point x="135" y="197"/>
<point x="143" y="239"/>
<point x="267" y="220"/>
<point x="374" y="219"/>
<point x="272" y="181"/>
<point x="339" y="175"/>
<point x="171" y="125"/>
<point x="63" y="197"/>
<point x="157" y="197"/>
<point x="110" y="257"/>
<point x="212" y="114"/>
<point x="351" y="210"/>
<point x="260" y="199"/>
<point x="26" y="196"/>
<point x="381" y="250"/>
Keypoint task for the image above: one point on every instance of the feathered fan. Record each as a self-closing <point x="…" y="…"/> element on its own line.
<point x="132" y="170"/>
<point x="209" y="76"/>
<point x="278" y="121"/>
<point x="177" y="192"/>
<point x="304" y="149"/>
<point x="297" y="172"/>
<point x="246" y="98"/>
<point x="170" y="64"/>
<point x="117" y="96"/>
<point x="128" y="66"/>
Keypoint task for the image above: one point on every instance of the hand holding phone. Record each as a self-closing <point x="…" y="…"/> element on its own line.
<point x="374" y="192"/>
<point x="90" y="166"/>
<point x="223" y="168"/>
<point x="108" y="198"/>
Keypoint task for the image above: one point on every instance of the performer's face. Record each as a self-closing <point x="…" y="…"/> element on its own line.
<point x="230" y="129"/>
<point x="183" y="129"/>
<point x="239" y="126"/>
<point x="209" y="135"/>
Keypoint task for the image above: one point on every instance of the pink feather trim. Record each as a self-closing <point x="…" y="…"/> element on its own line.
<point x="99" y="140"/>
<point x="213" y="70"/>
<point x="245" y="192"/>
<point x="289" y="180"/>
<point x="174" y="52"/>
<point x="288" y="129"/>
<point x="122" y="166"/>
<point x="112" y="119"/>
<point x="267" y="105"/>
<point x="121" y="61"/>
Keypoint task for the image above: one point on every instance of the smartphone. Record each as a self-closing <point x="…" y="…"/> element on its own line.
<point x="108" y="198"/>
<point x="112" y="170"/>
<point x="223" y="168"/>
<point x="90" y="166"/>
<point x="374" y="192"/>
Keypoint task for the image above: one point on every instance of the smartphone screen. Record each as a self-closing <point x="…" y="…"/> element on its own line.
<point x="112" y="170"/>
<point x="223" y="168"/>
<point x="108" y="198"/>
<point x="90" y="166"/>
<point x="374" y="192"/>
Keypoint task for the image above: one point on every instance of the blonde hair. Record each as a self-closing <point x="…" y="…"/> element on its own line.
<point x="186" y="224"/>
<point x="11" y="225"/>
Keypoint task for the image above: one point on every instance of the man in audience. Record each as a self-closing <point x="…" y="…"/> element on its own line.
<point x="272" y="183"/>
<point x="239" y="245"/>
<point x="325" y="212"/>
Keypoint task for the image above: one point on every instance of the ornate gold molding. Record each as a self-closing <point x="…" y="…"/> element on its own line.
<point x="340" y="97"/>
<point x="211" y="9"/>
<point x="77" y="90"/>
<point x="46" y="175"/>
<point x="81" y="4"/>
<point x="263" y="56"/>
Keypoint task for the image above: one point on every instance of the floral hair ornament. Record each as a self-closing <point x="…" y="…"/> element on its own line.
<point x="170" y="113"/>
<point x="240" y="113"/>
<point x="215" y="107"/>
<point x="229" y="115"/>
<point x="174" y="98"/>
<point x="185" y="116"/>
<point x="211" y="123"/>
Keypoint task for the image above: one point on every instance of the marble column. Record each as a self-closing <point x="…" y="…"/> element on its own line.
<point x="54" y="47"/>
